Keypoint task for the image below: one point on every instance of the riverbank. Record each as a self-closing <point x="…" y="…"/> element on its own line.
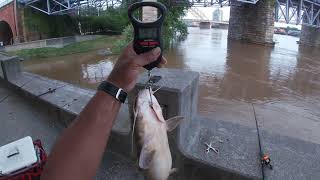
<point x="103" y="42"/>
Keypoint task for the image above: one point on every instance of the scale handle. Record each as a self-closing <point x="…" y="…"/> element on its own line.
<point x="156" y="24"/>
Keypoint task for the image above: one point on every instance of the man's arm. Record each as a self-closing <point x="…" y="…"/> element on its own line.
<point x="78" y="152"/>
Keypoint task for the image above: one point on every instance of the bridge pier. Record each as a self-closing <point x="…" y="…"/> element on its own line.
<point x="252" y="22"/>
<point x="205" y="25"/>
<point x="310" y="36"/>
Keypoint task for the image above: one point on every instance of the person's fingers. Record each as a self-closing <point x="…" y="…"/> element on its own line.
<point x="129" y="50"/>
<point x="148" y="57"/>
<point x="163" y="62"/>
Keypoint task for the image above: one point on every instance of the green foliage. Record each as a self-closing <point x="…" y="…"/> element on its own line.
<point x="121" y="43"/>
<point x="50" y="26"/>
<point x="112" y="19"/>
<point x="85" y="46"/>
<point x="173" y="29"/>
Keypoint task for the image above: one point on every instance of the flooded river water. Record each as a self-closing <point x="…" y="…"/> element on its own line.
<point x="287" y="76"/>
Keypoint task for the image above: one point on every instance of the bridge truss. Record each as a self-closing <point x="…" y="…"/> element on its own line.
<point x="289" y="11"/>
<point x="298" y="12"/>
<point x="52" y="7"/>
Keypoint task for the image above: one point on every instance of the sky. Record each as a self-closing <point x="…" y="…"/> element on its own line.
<point x="3" y="2"/>
<point x="208" y="12"/>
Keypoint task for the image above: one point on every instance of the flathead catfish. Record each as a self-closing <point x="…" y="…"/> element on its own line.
<point x="151" y="136"/>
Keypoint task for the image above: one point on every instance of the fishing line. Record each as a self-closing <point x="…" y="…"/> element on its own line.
<point x="135" y="113"/>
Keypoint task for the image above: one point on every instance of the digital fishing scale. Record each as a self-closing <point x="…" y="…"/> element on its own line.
<point x="147" y="35"/>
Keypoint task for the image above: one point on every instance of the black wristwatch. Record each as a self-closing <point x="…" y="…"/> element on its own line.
<point x="113" y="90"/>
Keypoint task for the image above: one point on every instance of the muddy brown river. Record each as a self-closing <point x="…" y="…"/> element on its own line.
<point x="286" y="76"/>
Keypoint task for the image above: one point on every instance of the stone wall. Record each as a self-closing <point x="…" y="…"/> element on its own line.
<point x="252" y="22"/>
<point x="310" y="36"/>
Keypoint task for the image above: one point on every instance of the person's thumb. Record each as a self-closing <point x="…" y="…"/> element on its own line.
<point x="148" y="57"/>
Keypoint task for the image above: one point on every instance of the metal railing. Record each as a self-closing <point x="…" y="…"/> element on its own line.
<point x="52" y="7"/>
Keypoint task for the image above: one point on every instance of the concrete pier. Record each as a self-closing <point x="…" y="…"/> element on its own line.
<point x="252" y="22"/>
<point x="205" y="25"/>
<point x="310" y="36"/>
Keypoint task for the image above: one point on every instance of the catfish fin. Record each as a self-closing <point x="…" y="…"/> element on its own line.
<point x="173" y="170"/>
<point x="173" y="122"/>
<point x="145" y="158"/>
<point x="158" y="112"/>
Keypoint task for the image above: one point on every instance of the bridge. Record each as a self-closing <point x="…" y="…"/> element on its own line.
<point x="250" y="20"/>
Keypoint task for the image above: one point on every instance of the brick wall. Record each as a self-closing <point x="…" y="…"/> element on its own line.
<point x="7" y="15"/>
<point x="310" y="36"/>
<point x="252" y="22"/>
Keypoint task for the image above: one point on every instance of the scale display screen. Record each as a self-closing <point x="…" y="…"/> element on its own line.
<point x="145" y="33"/>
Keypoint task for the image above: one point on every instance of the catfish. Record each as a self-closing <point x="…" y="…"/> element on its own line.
<point x="150" y="129"/>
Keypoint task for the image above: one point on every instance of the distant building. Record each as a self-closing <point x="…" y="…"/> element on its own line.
<point x="217" y="15"/>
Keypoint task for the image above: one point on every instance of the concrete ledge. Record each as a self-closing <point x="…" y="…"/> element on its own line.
<point x="291" y="158"/>
<point x="67" y="101"/>
<point x="9" y="67"/>
<point x="54" y="42"/>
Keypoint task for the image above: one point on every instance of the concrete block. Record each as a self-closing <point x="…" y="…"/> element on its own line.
<point x="40" y="86"/>
<point x="75" y="107"/>
<point x="10" y="68"/>
<point x="65" y="95"/>
<point x="178" y="94"/>
<point x="23" y="79"/>
<point x="122" y="124"/>
<point x="291" y="158"/>
<point x="238" y="156"/>
<point x="1" y="72"/>
<point x="4" y="93"/>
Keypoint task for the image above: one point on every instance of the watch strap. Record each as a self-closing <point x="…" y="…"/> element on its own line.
<point x="113" y="90"/>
